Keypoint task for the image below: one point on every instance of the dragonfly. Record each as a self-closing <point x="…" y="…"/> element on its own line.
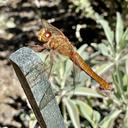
<point x="53" y="39"/>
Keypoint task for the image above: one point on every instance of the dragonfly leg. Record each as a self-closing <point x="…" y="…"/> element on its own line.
<point x="74" y="79"/>
<point x="75" y="75"/>
<point x="50" y="65"/>
<point x="51" y="62"/>
<point x="38" y="48"/>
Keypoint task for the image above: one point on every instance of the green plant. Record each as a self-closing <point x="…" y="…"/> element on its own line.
<point x="116" y="49"/>
<point x="78" y="103"/>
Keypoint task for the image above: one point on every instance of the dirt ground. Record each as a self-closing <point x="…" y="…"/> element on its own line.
<point x="11" y="90"/>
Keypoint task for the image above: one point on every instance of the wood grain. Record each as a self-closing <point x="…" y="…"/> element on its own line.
<point x="29" y="69"/>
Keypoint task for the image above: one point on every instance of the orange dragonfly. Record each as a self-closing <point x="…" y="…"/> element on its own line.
<point x="52" y="38"/>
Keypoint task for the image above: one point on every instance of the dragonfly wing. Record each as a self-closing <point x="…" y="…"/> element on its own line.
<point x="51" y="28"/>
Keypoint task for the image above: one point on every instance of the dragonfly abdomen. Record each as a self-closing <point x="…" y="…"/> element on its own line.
<point x="79" y="61"/>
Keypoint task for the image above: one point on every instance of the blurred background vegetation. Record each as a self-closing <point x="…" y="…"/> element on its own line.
<point x="98" y="29"/>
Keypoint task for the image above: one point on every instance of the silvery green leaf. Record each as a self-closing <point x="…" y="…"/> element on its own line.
<point x="126" y="66"/>
<point x="119" y="29"/>
<point x="82" y="52"/>
<point x="108" y="32"/>
<point x="87" y="112"/>
<point x="104" y="67"/>
<point x="124" y="39"/>
<point x="108" y="121"/>
<point x="84" y="91"/>
<point x="125" y="80"/>
<point x="73" y="112"/>
<point x="68" y="67"/>
<point x="125" y="120"/>
<point x="96" y="116"/>
<point x="118" y="81"/>
<point x="82" y="48"/>
<point x="104" y="49"/>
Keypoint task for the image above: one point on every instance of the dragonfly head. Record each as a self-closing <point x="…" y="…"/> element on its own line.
<point x="44" y="35"/>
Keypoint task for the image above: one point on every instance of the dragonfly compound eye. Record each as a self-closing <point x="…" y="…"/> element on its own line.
<point x="47" y="34"/>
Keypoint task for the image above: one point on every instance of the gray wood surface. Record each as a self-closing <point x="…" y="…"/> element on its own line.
<point x="29" y="69"/>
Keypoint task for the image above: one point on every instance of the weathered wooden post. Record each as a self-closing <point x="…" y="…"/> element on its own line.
<point x="29" y="69"/>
